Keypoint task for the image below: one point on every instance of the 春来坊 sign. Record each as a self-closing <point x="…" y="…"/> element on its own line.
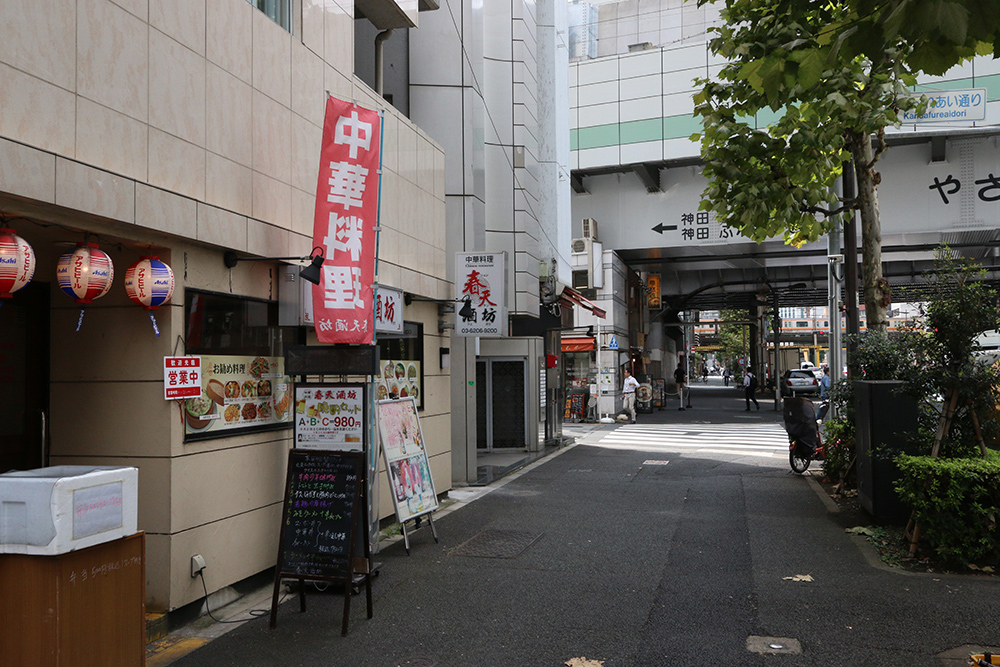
<point x="345" y="221"/>
<point x="481" y="309"/>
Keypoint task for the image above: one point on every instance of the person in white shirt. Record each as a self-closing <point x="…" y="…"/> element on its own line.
<point x="628" y="394"/>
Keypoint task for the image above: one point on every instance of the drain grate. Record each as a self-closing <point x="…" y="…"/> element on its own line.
<point x="497" y="544"/>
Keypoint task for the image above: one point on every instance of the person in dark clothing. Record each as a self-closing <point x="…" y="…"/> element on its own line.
<point x="680" y="377"/>
<point x="750" y="389"/>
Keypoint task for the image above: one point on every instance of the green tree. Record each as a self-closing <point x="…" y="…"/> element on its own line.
<point x="806" y="87"/>
<point x="731" y="338"/>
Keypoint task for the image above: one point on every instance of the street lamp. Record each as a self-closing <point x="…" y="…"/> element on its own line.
<point x="311" y="273"/>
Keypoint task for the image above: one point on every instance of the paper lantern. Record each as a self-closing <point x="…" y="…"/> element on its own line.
<point x="17" y="263"/>
<point x="85" y="274"/>
<point x="149" y="283"/>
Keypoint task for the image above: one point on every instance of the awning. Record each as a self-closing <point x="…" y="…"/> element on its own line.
<point x="575" y="298"/>
<point x="577" y="344"/>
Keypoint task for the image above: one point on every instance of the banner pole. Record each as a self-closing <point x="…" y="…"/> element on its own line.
<point x="373" y="456"/>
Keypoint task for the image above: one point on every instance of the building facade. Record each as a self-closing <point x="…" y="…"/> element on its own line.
<point x="185" y="130"/>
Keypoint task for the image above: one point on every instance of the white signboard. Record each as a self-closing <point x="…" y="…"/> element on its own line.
<point x="181" y="377"/>
<point x="950" y="105"/>
<point x="406" y="460"/>
<point x="480" y="278"/>
<point x="330" y="417"/>
<point x="389" y="310"/>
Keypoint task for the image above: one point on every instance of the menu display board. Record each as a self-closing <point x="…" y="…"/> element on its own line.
<point x="399" y="379"/>
<point x="321" y="509"/>
<point x="330" y="416"/>
<point x="239" y="392"/>
<point x="322" y="517"/>
<point x="413" y="492"/>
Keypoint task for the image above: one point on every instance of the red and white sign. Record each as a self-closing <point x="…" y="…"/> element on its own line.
<point x="181" y="377"/>
<point x="389" y="310"/>
<point x="345" y="221"/>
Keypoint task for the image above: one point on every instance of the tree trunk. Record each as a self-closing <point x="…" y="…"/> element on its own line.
<point x="875" y="288"/>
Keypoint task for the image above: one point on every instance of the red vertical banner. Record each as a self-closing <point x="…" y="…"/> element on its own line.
<point x="344" y="226"/>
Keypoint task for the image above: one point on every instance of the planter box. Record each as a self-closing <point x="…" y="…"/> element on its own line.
<point x="882" y="418"/>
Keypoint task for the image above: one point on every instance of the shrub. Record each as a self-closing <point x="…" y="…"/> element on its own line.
<point x="838" y="441"/>
<point x="956" y="504"/>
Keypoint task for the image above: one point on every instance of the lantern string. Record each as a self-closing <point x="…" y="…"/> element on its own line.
<point x="79" y="321"/>
<point x="156" y="329"/>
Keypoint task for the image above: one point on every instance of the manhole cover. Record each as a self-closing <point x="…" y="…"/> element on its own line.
<point x="417" y="662"/>
<point x="497" y="544"/>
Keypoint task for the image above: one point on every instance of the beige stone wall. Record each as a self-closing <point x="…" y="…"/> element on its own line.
<point x="188" y="128"/>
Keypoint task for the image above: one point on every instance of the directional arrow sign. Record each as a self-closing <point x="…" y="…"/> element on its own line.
<point x="660" y="228"/>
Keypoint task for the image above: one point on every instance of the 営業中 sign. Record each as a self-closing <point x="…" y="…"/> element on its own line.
<point x="181" y="377"/>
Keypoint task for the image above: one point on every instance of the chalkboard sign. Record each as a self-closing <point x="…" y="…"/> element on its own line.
<point x="577" y="400"/>
<point x="322" y="517"/>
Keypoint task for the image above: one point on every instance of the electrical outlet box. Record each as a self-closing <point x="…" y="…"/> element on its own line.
<point x="197" y="564"/>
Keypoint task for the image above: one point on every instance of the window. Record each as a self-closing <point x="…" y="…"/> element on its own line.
<point x="243" y="382"/>
<point x="401" y="357"/>
<point x="802" y="324"/>
<point x="279" y="11"/>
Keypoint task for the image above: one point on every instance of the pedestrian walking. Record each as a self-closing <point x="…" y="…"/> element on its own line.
<point x="725" y="376"/>
<point x="824" y="392"/>
<point x="628" y="394"/>
<point x="680" y="377"/>
<point x="750" y="389"/>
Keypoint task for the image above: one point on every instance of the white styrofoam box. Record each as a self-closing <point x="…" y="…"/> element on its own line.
<point x="50" y="511"/>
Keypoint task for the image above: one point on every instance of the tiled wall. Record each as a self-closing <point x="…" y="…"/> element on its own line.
<point x="195" y="125"/>
<point x="638" y="107"/>
<point x="658" y="22"/>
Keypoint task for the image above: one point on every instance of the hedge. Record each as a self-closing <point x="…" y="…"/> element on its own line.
<point x="956" y="503"/>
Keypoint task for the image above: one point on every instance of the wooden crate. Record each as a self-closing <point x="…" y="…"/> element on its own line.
<point x="82" y="608"/>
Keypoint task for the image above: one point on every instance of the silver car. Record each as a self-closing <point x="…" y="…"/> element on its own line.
<point x="799" y="381"/>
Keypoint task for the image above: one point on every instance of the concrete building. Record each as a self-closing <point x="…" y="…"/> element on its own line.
<point x="185" y="130"/>
<point x="636" y="176"/>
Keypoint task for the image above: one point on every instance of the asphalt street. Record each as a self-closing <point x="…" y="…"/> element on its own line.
<point x="681" y="540"/>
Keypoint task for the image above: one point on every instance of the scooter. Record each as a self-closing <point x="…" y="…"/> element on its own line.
<point x="804" y="441"/>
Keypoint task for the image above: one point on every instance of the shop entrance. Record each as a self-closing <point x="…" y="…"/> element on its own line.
<point x="501" y="403"/>
<point x="24" y="378"/>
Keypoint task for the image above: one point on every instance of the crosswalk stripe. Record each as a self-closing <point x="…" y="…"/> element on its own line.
<point x="769" y="437"/>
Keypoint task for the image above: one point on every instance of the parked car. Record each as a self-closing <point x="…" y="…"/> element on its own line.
<point x="798" y="381"/>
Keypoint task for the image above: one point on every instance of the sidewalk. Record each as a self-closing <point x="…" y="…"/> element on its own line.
<point x="595" y="553"/>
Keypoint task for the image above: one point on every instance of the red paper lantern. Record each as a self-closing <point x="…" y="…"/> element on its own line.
<point x="86" y="273"/>
<point x="17" y="263"/>
<point x="149" y="283"/>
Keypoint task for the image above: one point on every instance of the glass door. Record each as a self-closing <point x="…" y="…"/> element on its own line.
<point x="501" y="403"/>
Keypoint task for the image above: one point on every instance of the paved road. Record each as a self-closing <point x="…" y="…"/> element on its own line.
<point x="616" y="556"/>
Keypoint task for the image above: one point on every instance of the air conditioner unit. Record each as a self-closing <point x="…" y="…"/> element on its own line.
<point x="582" y="263"/>
<point x="590" y="228"/>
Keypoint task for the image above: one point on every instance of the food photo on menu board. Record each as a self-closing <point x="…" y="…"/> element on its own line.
<point x="399" y="379"/>
<point x="239" y="392"/>
<point x="330" y="417"/>
<point x="406" y="458"/>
